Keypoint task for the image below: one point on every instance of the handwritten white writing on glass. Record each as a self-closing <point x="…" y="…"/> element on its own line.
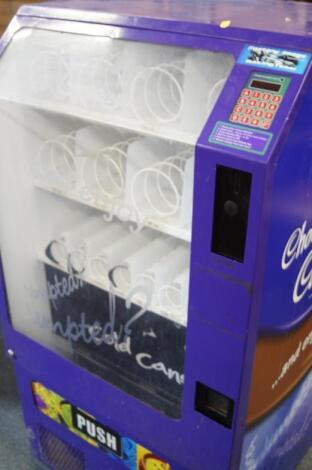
<point x="95" y="333"/>
<point x="61" y="288"/>
<point x="91" y="333"/>
<point x="146" y="362"/>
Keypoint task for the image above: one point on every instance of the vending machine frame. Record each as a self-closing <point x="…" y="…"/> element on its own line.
<point x="226" y="290"/>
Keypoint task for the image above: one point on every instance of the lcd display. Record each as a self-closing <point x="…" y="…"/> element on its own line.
<point x="268" y="86"/>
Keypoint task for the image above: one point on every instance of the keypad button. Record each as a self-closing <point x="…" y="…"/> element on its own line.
<point x="266" y="96"/>
<point x="234" y="117"/>
<point x="273" y="107"/>
<point x="255" y="122"/>
<point x="238" y="109"/>
<point x="262" y="105"/>
<point x="253" y="105"/>
<point x="266" y="124"/>
<point x="244" y="120"/>
<point x="277" y="99"/>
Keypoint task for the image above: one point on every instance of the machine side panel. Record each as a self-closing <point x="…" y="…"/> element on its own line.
<point x="279" y="418"/>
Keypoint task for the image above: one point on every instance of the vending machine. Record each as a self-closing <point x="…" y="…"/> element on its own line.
<point x="156" y="231"/>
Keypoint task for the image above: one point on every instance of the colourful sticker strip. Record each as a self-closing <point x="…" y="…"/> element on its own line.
<point x="275" y="59"/>
<point x="134" y="456"/>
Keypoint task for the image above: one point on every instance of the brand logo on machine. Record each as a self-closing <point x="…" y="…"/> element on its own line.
<point x="104" y="436"/>
<point x="298" y="245"/>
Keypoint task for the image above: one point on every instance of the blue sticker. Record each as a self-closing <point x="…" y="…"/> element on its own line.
<point x="240" y="138"/>
<point x="275" y="59"/>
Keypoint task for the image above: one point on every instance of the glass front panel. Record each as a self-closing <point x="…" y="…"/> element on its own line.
<point x="96" y="175"/>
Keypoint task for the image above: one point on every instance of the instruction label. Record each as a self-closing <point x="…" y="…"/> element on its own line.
<point x="240" y="137"/>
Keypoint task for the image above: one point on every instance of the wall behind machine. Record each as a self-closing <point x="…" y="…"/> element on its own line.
<point x="8" y="8"/>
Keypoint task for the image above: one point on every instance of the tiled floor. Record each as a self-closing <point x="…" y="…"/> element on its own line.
<point x="14" y="451"/>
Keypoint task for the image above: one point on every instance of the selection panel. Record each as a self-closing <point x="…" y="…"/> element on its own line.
<point x="259" y="101"/>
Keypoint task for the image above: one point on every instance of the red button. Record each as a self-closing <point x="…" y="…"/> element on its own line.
<point x="252" y="102"/>
<point x="255" y="122"/>
<point x="277" y="99"/>
<point x="234" y="117"/>
<point x="266" y="96"/>
<point x="246" y="92"/>
<point x="256" y="94"/>
<point x="238" y="109"/>
<point x="262" y="105"/>
<point x="266" y="124"/>
<point x="242" y="101"/>
<point x="269" y="115"/>
<point x="258" y="113"/>
<point x="244" y="120"/>
<point x="273" y="107"/>
<point x="248" y="111"/>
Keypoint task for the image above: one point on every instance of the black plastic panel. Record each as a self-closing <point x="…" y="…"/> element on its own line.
<point x="231" y="210"/>
<point x="214" y="405"/>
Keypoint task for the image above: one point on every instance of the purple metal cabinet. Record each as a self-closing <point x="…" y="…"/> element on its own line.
<point x="156" y="199"/>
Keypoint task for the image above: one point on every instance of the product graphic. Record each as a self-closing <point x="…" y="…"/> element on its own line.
<point x="156" y="232"/>
<point x="134" y="456"/>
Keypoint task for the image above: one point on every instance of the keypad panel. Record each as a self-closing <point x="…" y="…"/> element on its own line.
<point x="255" y="108"/>
<point x="258" y="107"/>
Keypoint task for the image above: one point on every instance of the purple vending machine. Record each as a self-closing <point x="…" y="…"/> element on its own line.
<point x="156" y="232"/>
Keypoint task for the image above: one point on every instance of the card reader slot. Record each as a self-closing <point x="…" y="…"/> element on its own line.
<point x="231" y="210"/>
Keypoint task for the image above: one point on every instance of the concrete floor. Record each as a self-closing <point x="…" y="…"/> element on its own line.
<point x="14" y="450"/>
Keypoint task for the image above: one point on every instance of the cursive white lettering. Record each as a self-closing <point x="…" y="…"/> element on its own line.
<point x="298" y="243"/>
<point x="59" y="289"/>
<point x="304" y="280"/>
<point x="145" y="361"/>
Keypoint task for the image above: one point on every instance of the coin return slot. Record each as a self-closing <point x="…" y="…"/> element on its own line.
<point x="214" y="405"/>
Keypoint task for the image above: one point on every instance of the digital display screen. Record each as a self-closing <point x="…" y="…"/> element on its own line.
<point x="267" y="86"/>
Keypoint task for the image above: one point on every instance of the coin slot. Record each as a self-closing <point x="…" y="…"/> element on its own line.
<point x="214" y="405"/>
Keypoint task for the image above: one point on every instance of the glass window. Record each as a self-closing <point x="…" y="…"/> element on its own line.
<point x="96" y="177"/>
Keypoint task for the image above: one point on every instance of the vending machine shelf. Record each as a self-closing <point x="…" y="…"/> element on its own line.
<point x="102" y="119"/>
<point x="119" y="210"/>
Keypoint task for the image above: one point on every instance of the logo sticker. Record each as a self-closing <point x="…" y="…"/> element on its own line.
<point x="300" y="244"/>
<point x="275" y="59"/>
